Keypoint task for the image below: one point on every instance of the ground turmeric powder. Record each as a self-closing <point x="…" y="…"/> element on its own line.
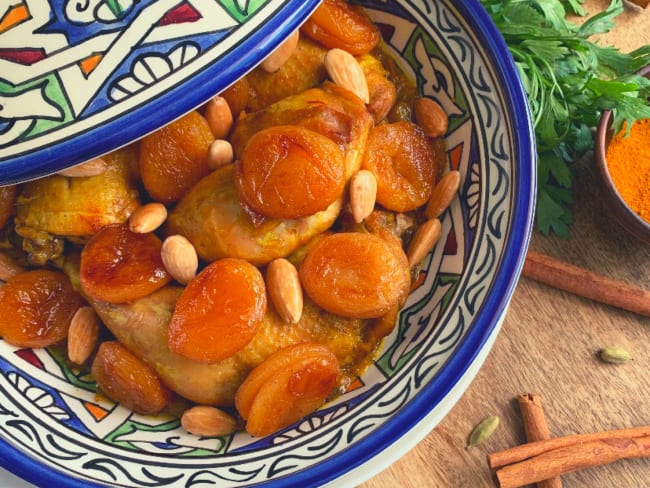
<point x="628" y="160"/>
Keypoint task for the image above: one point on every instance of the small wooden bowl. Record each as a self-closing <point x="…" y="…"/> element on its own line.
<point x="623" y="214"/>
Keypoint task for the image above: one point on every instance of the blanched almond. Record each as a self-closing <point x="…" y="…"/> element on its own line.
<point x="219" y="117"/>
<point x="345" y="71"/>
<point x="93" y="167"/>
<point x="431" y="117"/>
<point x="283" y="285"/>
<point x="147" y="218"/>
<point x="220" y="154"/>
<point x="8" y="267"/>
<point x="363" y="194"/>
<point x="180" y="258"/>
<point x="423" y="241"/>
<point x="277" y="58"/>
<point x="83" y="334"/>
<point x="442" y="195"/>
<point x="206" y="421"/>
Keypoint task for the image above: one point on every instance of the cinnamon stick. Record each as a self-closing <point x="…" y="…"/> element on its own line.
<point x="525" y="451"/>
<point x="536" y="428"/>
<point x="572" y="458"/>
<point x="588" y="284"/>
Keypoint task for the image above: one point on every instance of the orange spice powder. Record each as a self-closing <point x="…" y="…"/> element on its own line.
<point x="628" y="160"/>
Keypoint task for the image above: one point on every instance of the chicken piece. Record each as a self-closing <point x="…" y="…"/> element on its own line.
<point x="213" y="219"/>
<point x="7" y="200"/>
<point x="142" y="326"/>
<point x="383" y="93"/>
<point x="331" y="111"/>
<point x="211" y="215"/>
<point x="58" y="207"/>
<point x="304" y="69"/>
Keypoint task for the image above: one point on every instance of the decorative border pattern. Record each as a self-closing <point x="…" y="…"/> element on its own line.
<point x="44" y="408"/>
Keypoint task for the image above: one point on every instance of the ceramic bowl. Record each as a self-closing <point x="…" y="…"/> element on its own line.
<point x="55" y="432"/>
<point x="618" y="207"/>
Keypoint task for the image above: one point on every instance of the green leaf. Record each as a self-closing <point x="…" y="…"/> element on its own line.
<point x="575" y="6"/>
<point x="602" y="22"/>
<point x="569" y="79"/>
<point x="553" y="212"/>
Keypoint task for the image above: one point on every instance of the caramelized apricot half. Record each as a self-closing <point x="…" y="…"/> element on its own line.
<point x="128" y="380"/>
<point x="119" y="266"/>
<point x="355" y="275"/>
<point x="286" y="386"/>
<point x="336" y="24"/>
<point x="174" y="158"/>
<point x="290" y="172"/>
<point x="36" y="308"/>
<point x="404" y="162"/>
<point x="219" y="311"/>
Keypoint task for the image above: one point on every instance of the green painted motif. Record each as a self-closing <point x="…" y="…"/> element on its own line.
<point x="240" y="14"/>
<point x="52" y="92"/>
<point x="115" y="8"/>
<point x="387" y="362"/>
<point x="128" y="429"/>
<point x="80" y="378"/>
<point x="419" y="36"/>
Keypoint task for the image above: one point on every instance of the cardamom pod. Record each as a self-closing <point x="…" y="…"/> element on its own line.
<point x="614" y="355"/>
<point x="483" y="430"/>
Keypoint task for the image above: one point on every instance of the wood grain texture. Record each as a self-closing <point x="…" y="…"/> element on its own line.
<point x="548" y="345"/>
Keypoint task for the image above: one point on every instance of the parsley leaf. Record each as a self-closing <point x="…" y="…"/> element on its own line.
<point x="569" y="80"/>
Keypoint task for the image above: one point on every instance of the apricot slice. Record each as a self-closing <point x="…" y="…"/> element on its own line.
<point x="174" y="158"/>
<point x="119" y="266"/>
<point x="355" y="275"/>
<point x="219" y="311"/>
<point x="36" y="308"/>
<point x="290" y="172"/>
<point x="336" y="24"/>
<point x="237" y="96"/>
<point x="126" y="379"/>
<point x="404" y="163"/>
<point x="286" y="386"/>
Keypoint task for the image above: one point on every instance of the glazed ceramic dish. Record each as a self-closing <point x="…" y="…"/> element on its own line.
<point x="83" y="77"/>
<point x="55" y="432"/>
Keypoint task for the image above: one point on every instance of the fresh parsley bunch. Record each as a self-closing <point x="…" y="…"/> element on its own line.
<point x="569" y="80"/>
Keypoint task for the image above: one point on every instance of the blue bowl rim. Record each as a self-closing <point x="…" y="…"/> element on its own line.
<point x="486" y="320"/>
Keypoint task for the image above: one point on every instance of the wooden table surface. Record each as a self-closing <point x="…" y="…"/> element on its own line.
<point x="547" y="345"/>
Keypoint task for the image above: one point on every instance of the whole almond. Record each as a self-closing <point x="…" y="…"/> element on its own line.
<point x="206" y="421"/>
<point x="423" y="241"/>
<point x="8" y="267"/>
<point x="220" y="154"/>
<point x="277" y="58"/>
<point x="363" y="194"/>
<point x="283" y="285"/>
<point x="147" y="218"/>
<point x="431" y="117"/>
<point x="180" y="258"/>
<point x="344" y="70"/>
<point x="83" y="334"/>
<point x="442" y="195"/>
<point x="93" y="167"/>
<point x="219" y="117"/>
